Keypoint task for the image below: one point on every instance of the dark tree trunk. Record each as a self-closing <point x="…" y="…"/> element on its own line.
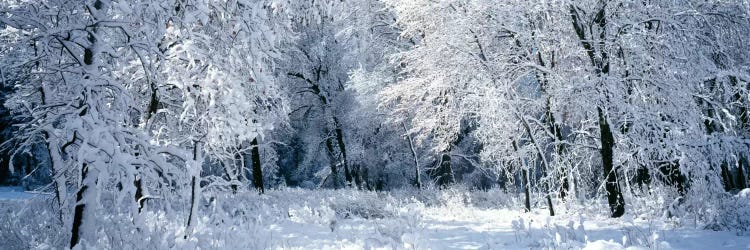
<point x="445" y="171"/>
<point x="138" y="184"/>
<point x="80" y="206"/>
<point x="674" y="177"/>
<point x="195" y="194"/>
<point x="726" y="177"/>
<point x="524" y="180"/>
<point x="366" y="181"/>
<point x="614" y="195"/>
<point x="545" y="163"/>
<point x="526" y="189"/>
<point x="357" y="176"/>
<point x="741" y="179"/>
<point x="315" y="89"/>
<point x="257" y="168"/>
<point x="153" y="104"/>
<point x="379" y="184"/>
<point x="550" y="206"/>
<point x="417" y="174"/>
<point x="230" y="175"/>
<point x="564" y="183"/>
<point x="553" y="125"/>
<point x="138" y="192"/>
<point x="642" y="177"/>
<point x="348" y="173"/>
<point x="600" y="61"/>
<point x="334" y="169"/>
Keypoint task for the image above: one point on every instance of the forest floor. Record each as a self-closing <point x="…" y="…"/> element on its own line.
<point x="350" y="219"/>
<point x="477" y="228"/>
<point x="494" y="229"/>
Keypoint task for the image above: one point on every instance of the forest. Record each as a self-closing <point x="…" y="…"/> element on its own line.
<point x="374" y="124"/>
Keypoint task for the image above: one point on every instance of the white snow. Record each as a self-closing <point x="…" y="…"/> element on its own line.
<point x="474" y="228"/>
<point x="350" y="219"/>
<point x="452" y="221"/>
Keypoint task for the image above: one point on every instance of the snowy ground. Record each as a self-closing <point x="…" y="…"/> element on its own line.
<point x="348" y="219"/>
<point x="472" y="228"/>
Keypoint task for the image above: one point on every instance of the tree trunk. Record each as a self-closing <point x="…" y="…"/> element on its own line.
<point x="81" y="225"/>
<point x="526" y="189"/>
<point x="231" y="175"/>
<point x="614" y="195"/>
<point x="445" y="171"/>
<point x="357" y="176"/>
<point x="138" y="184"/>
<point x="726" y="177"/>
<point x="257" y="166"/>
<point x="337" y="129"/>
<point x="138" y="192"/>
<point x="545" y="163"/>
<point x="194" y="168"/>
<point x="560" y="149"/>
<point x="524" y="180"/>
<point x="741" y="179"/>
<point x="642" y="177"/>
<point x="673" y="175"/>
<point x="417" y="177"/>
<point x="600" y="62"/>
<point x="334" y="169"/>
<point x="88" y="181"/>
<point x="348" y="173"/>
<point x="57" y="173"/>
<point x="554" y="126"/>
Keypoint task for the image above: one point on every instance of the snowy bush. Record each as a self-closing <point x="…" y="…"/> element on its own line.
<point x="492" y="198"/>
<point x="732" y="213"/>
<point x="636" y="236"/>
<point x="571" y="234"/>
<point x="454" y="198"/>
<point x="652" y="203"/>
<point x="322" y="215"/>
<point x="31" y="224"/>
<point x="364" y="204"/>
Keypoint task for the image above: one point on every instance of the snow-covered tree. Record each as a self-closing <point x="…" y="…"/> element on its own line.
<point x="77" y="104"/>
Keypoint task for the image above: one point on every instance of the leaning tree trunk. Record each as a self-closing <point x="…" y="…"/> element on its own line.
<point x="58" y="173"/>
<point x="545" y="163"/>
<point x="82" y="220"/>
<point x="349" y="174"/>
